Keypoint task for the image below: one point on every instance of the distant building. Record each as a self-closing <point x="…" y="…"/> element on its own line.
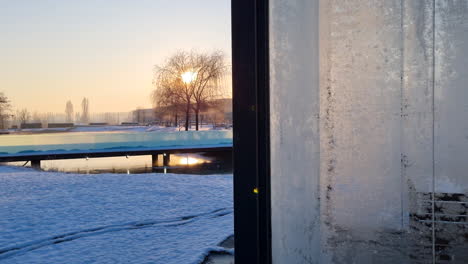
<point x="217" y="112"/>
<point x="60" y="125"/>
<point x="31" y="125"/>
<point x="144" y="116"/>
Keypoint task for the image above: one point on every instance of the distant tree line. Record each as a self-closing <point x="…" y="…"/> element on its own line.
<point x="24" y="116"/>
<point x="5" y="110"/>
<point x="85" y="114"/>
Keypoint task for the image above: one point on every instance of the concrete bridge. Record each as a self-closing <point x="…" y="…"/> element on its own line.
<point x="35" y="148"/>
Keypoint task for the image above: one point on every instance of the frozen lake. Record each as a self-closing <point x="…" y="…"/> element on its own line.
<point x="48" y="217"/>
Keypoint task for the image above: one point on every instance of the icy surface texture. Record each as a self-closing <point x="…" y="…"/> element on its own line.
<point x="367" y="98"/>
<point x="111" y="218"/>
<point x="294" y="131"/>
<point x="102" y="141"/>
<point x="451" y="94"/>
<point x="451" y="130"/>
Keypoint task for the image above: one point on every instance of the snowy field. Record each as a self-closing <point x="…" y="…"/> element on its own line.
<point x="48" y="217"/>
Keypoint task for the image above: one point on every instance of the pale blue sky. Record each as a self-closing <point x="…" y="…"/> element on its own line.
<point x="55" y="50"/>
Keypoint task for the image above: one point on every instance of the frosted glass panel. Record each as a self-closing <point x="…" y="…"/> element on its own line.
<point x="451" y="130"/>
<point x="369" y="132"/>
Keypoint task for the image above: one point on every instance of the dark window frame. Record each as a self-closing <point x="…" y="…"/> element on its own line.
<point x="250" y="69"/>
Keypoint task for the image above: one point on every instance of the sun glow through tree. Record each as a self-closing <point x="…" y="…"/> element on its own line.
<point x="189" y="76"/>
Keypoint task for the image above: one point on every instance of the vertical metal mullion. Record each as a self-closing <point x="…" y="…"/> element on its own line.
<point x="263" y="118"/>
<point x="433" y="130"/>
<point x="251" y="131"/>
<point x="245" y="131"/>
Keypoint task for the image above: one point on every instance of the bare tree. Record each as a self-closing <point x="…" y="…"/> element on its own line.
<point x="69" y="111"/>
<point x="167" y="104"/>
<point x="171" y="91"/>
<point x="85" y="110"/>
<point x="188" y="81"/>
<point x="5" y="108"/>
<point x="208" y="71"/>
<point x="23" y="116"/>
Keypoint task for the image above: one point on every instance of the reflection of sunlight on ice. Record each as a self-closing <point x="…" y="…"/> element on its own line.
<point x="187" y="160"/>
<point x="121" y="164"/>
<point x="190" y="161"/>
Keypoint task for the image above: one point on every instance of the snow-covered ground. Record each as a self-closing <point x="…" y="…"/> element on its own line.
<point x="48" y="217"/>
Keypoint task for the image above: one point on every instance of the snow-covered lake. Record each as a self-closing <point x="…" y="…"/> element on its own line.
<point x="78" y="142"/>
<point x="48" y="217"/>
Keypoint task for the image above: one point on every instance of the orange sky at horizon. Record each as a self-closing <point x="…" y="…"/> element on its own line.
<point x="54" y="51"/>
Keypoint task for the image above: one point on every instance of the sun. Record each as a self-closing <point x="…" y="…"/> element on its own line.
<point x="189" y="76"/>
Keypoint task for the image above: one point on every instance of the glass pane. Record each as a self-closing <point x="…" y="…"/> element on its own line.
<point x="450" y="139"/>
<point x="368" y="131"/>
<point x="115" y="131"/>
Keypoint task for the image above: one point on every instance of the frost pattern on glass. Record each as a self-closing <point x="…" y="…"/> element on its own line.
<point x="360" y="133"/>
<point x="451" y="130"/>
<point x="295" y="131"/>
<point x="358" y="185"/>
